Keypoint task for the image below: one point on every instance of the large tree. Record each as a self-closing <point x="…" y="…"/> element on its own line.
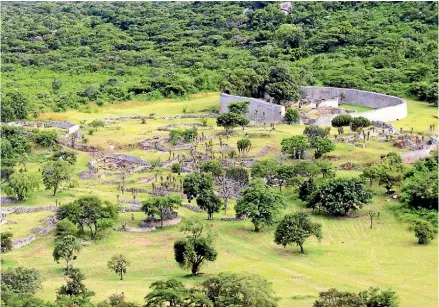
<point x="161" y="206"/>
<point x="265" y="169"/>
<point x="239" y="107"/>
<point x="295" y="229"/>
<point x="239" y="291"/>
<point x="231" y="120"/>
<point x="91" y="212"/>
<point x="295" y="146"/>
<point x="321" y="146"/>
<point x="196" y="182"/>
<point x="66" y="248"/>
<point x="260" y="203"/>
<point x="340" y="195"/>
<point x="195" y="249"/>
<point x="74" y="286"/>
<point x="20" y="280"/>
<point x="55" y="173"/>
<point x="209" y="202"/>
<point x="21" y="186"/>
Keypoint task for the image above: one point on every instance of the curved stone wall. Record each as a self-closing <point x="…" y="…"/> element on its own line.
<point x="387" y="108"/>
<point x="259" y="110"/>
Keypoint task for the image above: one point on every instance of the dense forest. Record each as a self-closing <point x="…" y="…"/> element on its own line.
<point x="57" y="56"/>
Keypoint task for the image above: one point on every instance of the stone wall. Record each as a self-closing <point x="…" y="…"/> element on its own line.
<point x="273" y="112"/>
<point x="23" y="241"/>
<point x="415" y="155"/>
<point x="387" y="108"/>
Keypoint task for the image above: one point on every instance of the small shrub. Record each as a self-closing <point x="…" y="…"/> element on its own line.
<point x="176" y="168"/>
<point x="292" y="116"/>
<point x="424" y="231"/>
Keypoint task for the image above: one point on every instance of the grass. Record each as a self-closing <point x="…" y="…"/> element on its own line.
<point x="25" y="223"/>
<point x="421" y="116"/>
<point x="355" y="107"/>
<point x="351" y="256"/>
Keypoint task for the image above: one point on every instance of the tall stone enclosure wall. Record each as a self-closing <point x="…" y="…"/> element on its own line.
<point x="259" y="110"/>
<point x="387" y="108"/>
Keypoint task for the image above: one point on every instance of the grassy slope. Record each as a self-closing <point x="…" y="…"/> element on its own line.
<point x="350" y="257"/>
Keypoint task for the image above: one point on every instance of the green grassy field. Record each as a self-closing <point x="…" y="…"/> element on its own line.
<point x="355" y="107"/>
<point x="351" y="256"/>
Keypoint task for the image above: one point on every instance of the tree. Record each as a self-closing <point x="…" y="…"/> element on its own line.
<point x="326" y="168"/>
<point x="21" y="186"/>
<point x="208" y="201"/>
<point x="14" y="106"/>
<point x="389" y="180"/>
<point x="284" y="175"/>
<point x="6" y="241"/>
<point x="196" y="182"/>
<point x="295" y="229"/>
<point x="371" y="173"/>
<point x="321" y="146"/>
<point x="244" y="145"/>
<point x="65" y="228"/>
<point x="231" y="182"/>
<point x="340" y="195"/>
<point x="74" y="286"/>
<point x="173" y="293"/>
<point x="265" y="169"/>
<point x="260" y="203"/>
<point x="281" y="84"/>
<point x="212" y="166"/>
<point x="295" y="146"/>
<point x="176" y="168"/>
<point x="22" y="281"/>
<point x="66" y="249"/>
<point x="55" y="173"/>
<point x="230" y="120"/>
<point x="118" y="264"/>
<point x="289" y="36"/>
<point x="239" y="291"/>
<point x="306" y="189"/>
<point x="421" y="185"/>
<point x="359" y="123"/>
<point x="240" y="108"/>
<point x="91" y="212"/>
<point x="373" y="297"/>
<point x="56" y="85"/>
<point x="312" y="131"/>
<point x="161" y="206"/>
<point x="424" y="231"/>
<point x="292" y="116"/>
<point x="96" y="123"/>
<point x="340" y="121"/>
<point x="196" y="248"/>
<point x="46" y="138"/>
<point x="65" y="155"/>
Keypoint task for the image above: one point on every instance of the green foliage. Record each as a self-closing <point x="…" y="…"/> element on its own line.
<point x="91" y="212"/>
<point x="22" y="281"/>
<point x="231" y="120"/>
<point x="65" y="155"/>
<point x="359" y="123"/>
<point x="161" y="206"/>
<point x="240" y="108"/>
<point x="46" y="138"/>
<point x="260" y="203"/>
<point x="265" y="169"/>
<point x="118" y="264"/>
<point x="176" y="168"/>
<point x="313" y="131"/>
<point x="306" y="189"/>
<point x="424" y="231"/>
<point x="244" y="145"/>
<point x="55" y="173"/>
<point x="321" y="146"/>
<point x="196" y="182"/>
<point x="192" y="251"/>
<point x="208" y="201"/>
<point x="96" y="123"/>
<point x="373" y="297"/>
<point x="74" y="286"/>
<point x="66" y="248"/>
<point x="239" y="291"/>
<point x="295" y="229"/>
<point x="295" y="146"/>
<point x="340" y="195"/>
<point x="173" y="293"/>
<point x="6" y="242"/>
<point x="342" y="120"/>
<point x="292" y="116"/>
<point x="285" y="175"/>
<point x="212" y="166"/>
<point x="21" y="186"/>
<point x="188" y="135"/>
<point x="65" y="228"/>
<point x="262" y="50"/>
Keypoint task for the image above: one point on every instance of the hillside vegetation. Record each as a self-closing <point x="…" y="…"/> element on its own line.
<point x="58" y="56"/>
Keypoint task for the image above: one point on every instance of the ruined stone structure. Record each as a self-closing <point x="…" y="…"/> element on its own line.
<point x="259" y="110"/>
<point x="387" y="108"/>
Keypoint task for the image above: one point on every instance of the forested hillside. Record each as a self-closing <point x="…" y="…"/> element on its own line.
<point x="65" y="55"/>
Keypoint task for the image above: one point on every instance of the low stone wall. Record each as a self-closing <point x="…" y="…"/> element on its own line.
<point x="193" y="208"/>
<point x="259" y="110"/>
<point x="22" y="209"/>
<point x="23" y="241"/>
<point x="387" y="108"/>
<point x="156" y="223"/>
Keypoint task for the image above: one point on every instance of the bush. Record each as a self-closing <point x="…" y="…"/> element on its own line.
<point x="292" y="116"/>
<point x="424" y="231"/>
<point x="342" y="120"/>
<point x="176" y="168"/>
<point x="359" y="123"/>
<point x="47" y="138"/>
